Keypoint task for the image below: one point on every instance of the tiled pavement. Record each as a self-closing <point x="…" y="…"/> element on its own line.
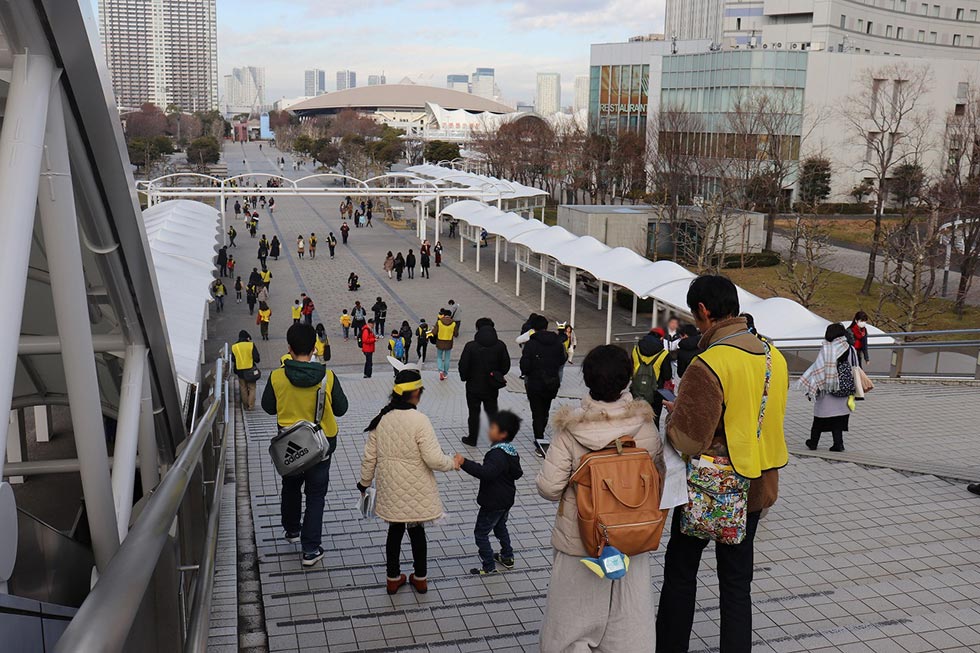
<point x="852" y="558"/>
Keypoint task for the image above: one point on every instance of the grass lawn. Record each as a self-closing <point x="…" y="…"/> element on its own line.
<point x="857" y="231"/>
<point x="841" y="298"/>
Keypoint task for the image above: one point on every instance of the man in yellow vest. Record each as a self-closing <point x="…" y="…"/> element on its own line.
<point x="245" y="356"/>
<point x="446" y="331"/>
<point x="291" y="395"/>
<point x="731" y="405"/>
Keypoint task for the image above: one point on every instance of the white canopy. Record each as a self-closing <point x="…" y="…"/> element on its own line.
<point x="182" y="235"/>
<point x="507" y="189"/>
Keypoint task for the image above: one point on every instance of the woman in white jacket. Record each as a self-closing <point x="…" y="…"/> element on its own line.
<point x="400" y="455"/>
<point x="585" y="612"/>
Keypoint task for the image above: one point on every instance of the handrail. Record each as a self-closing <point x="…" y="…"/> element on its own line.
<point x="104" y="620"/>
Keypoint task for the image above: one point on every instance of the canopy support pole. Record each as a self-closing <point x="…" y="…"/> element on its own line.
<point x="635" y="300"/>
<point x="609" y="309"/>
<point x="544" y="281"/>
<point x="221" y="210"/>
<point x="496" y="260"/>
<point x="127" y="436"/>
<point x="599" y="308"/>
<point x="517" y="266"/>
<point x="654" y="314"/>
<point x="462" y="239"/>
<point x="438" y="216"/>
<point x="147" y="445"/>
<point x="505" y="250"/>
<point x="479" y="244"/>
<point x="573" y="282"/>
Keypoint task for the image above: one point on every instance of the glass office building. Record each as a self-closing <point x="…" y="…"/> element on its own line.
<point x="618" y="97"/>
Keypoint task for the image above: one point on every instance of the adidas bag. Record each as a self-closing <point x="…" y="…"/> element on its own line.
<point x="302" y="445"/>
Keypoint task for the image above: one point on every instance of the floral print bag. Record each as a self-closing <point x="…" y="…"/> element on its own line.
<point x="718" y="496"/>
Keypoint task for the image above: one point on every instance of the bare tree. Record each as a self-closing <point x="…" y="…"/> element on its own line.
<point x="805" y="271"/>
<point x="908" y="278"/>
<point x="888" y="115"/>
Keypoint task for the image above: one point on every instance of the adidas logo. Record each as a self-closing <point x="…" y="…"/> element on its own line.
<point x="294" y="452"/>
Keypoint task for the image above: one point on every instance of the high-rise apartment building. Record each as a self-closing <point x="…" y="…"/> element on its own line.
<point x="164" y="52"/>
<point x="701" y="19"/>
<point x="346" y="79"/>
<point x="314" y="82"/>
<point x="484" y="83"/>
<point x="548" y="101"/>
<point x="458" y="82"/>
<point x="377" y="80"/>
<point x="244" y="90"/>
<point x="581" y="93"/>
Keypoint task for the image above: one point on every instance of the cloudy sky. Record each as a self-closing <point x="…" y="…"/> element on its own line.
<point x="425" y="39"/>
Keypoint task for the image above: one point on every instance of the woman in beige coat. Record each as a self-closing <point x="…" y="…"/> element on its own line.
<point x="585" y="612"/>
<point x="400" y="456"/>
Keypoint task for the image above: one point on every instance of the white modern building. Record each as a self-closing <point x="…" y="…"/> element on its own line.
<point x="314" y="82"/>
<point x="244" y="90"/>
<point x="164" y="52"/>
<point x="483" y="83"/>
<point x="377" y="80"/>
<point x="548" y="100"/>
<point x="346" y="79"/>
<point x="581" y="94"/>
<point x="698" y="19"/>
<point x="458" y="82"/>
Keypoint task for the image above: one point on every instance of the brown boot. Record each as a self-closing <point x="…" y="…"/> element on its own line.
<point x="421" y="585"/>
<point x="392" y="585"/>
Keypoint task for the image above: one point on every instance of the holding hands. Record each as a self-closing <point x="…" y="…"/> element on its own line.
<point x="458" y="460"/>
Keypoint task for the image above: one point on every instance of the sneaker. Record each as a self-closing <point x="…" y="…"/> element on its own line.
<point x="479" y="571"/>
<point x="392" y="584"/>
<point x="974" y="488"/>
<point x="442" y="377"/>
<point x="292" y="538"/>
<point x="541" y="448"/>
<point x="310" y="559"/>
<point x="811" y="445"/>
<point x="507" y="563"/>
<point x="468" y="442"/>
<point x="836" y="448"/>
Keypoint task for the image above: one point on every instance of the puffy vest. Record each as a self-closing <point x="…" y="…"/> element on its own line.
<point x="445" y="331"/>
<point x="243" y="354"/>
<point x="295" y="404"/>
<point x="742" y="375"/>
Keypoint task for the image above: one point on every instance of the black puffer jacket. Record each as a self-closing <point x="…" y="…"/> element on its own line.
<point x="541" y="361"/>
<point x="497" y="474"/>
<point x="687" y="349"/>
<point x="481" y="356"/>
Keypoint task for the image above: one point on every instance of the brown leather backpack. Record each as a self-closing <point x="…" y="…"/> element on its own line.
<point x="617" y="489"/>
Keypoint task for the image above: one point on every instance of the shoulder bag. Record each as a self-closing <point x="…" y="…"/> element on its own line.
<point x="302" y="445"/>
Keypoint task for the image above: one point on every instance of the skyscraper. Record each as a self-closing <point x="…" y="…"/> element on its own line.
<point x="377" y="80"/>
<point x="315" y="82"/>
<point x="700" y="19"/>
<point x="245" y="90"/>
<point x="165" y="52"/>
<point x="548" y="101"/>
<point x="581" y="93"/>
<point x="458" y="82"/>
<point x="483" y="83"/>
<point x="346" y="79"/>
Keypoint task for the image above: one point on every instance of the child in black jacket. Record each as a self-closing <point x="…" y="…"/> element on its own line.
<point x="500" y="469"/>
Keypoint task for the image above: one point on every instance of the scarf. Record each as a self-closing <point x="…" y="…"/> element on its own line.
<point x="821" y="377"/>
<point x="506" y="447"/>
<point x="397" y="403"/>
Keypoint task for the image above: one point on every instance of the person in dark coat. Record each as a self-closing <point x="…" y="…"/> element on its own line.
<point x="541" y="363"/>
<point x="255" y="279"/>
<point x="399" y="266"/>
<point x="406" y="334"/>
<point x="688" y="347"/>
<point x="380" y="310"/>
<point x="410" y="264"/>
<point x="274" y="247"/>
<point x="650" y="345"/>
<point x="483" y="365"/>
<point x="424" y="261"/>
<point x="263" y="252"/>
<point x="222" y="261"/>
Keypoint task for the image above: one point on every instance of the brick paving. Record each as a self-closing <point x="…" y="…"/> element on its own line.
<point x="853" y="557"/>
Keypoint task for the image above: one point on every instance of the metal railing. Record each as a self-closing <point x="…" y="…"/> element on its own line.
<point x="104" y="620"/>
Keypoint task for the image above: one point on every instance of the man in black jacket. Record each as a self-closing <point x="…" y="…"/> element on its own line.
<point x="380" y="309"/>
<point x="541" y="363"/>
<point x="482" y="367"/>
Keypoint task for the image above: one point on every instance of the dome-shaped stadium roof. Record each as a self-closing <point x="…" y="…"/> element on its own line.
<point x="398" y="96"/>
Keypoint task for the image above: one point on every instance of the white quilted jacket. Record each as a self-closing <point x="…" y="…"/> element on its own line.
<point x="400" y="456"/>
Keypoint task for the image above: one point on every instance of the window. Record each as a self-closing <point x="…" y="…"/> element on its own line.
<point x="935" y="10"/>
<point x="860" y="25"/>
<point x="843" y="21"/>
<point x="902" y="6"/>
<point x="874" y="139"/>
<point x="962" y="89"/>
<point x="900" y="33"/>
<point x="973" y="15"/>
<point x="738" y="24"/>
<point x="868" y="29"/>
<point x="959" y="14"/>
<point x="956" y="39"/>
<point x="888" y="31"/>
<point x="924" y="9"/>
<point x="921" y="36"/>
<point x="959" y="110"/>
<point x="969" y="40"/>
<point x="876" y="85"/>
<point x="933" y="37"/>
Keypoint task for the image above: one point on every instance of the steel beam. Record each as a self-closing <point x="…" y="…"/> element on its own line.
<point x="35" y="345"/>
<point x="127" y="435"/>
<point x="148" y="451"/>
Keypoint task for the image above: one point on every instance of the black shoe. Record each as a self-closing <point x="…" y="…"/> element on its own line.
<point x="292" y="538"/>
<point x="974" y="488"/>
<point x="310" y="559"/>
<point x="468" y="442"/>
<point x="477" y="571"/>
<point x="811" y="445"/>
<point x="837" y="448"/>
<point x="540" y="448"/>
<point x="507" y="563"/>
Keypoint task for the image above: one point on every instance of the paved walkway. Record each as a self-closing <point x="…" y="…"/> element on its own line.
<point x="853" y="557"/>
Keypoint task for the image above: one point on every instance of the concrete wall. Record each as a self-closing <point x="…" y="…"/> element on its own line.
<point x="616" y="226"/>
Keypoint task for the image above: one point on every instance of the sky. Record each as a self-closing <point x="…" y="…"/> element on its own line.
<point x="425" y="39"/>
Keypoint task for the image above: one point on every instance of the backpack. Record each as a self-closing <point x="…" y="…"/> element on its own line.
<point x="399" y="349"/>
<point x="644" y="385"/>
<point x="617" y="489"/>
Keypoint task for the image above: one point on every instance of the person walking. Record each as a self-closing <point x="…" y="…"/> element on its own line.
<point x="456" y="313"/>
<point x="275" y="248"/>
<point x="358" y="320"/>
<point x="313" y="242"/>
<point x="332" y="244"/>
<point x="264" y="317"/>
<point x="239" y="287"/>
<point x="571" y="340"/>
<point x="730" y="408"/>
<point x="830" y="384"/>
<point x="541" y="361"/>
<point x="446" y="332"/>
<point x="292" y="395"/>
<point x="263" y="252"/>
<point x="438" y="250"/>
<point x="651" y="370"/>
<point x="308" y="308"/>
<point x="483" y="365"/>
<point x="238" y="208"/>
<point x="245" y="357"/>
<point x="251" y="298"/>
<point x="399" y="266"/>
<point x="221" y="261"/>
<point x="266" y="275"/>
<point x="583" y="611"/>
<point x="296" y="311"/>
<point x="380" y="310"/>
<point x="400" y="456"/>
<point x="321" y="352"/>
<point x="859" y="333"/>
<point x="405" y="332"/>
<point x="344" y="231"/>
<point x="688" y="348"/>
<point x="424" y="262"/>
<point x="345" y="324"/>
<point x="422" y="334"/>
<point x="232" y="234"/>
<point x="410" y="262"/>
<point x="230" y="266"/>
<point x="367" y="342"/>
<point x="218" y="291"/>
<point x="300" y="245"/>
<point x="389" y="264"/>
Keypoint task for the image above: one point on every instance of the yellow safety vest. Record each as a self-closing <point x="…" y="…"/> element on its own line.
<point x="742" y="375"/>
<point x="657" y="360"/>
<point x="265" y="316"/>
<point x="297" y="312"/>
<point x="295" y="404"/>
<point x="284" y="358"/>
<point x="320" y="348"/>
<point x="345" y="320"/>
<point x="446" y="331"/>
<point x="266" y="276"/>
<point x="243" y="354"/>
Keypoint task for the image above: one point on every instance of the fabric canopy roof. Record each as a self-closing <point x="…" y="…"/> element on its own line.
<point x="507" y="189"/>
<point x="667" y="282"/>
<point x="182" y="235"/>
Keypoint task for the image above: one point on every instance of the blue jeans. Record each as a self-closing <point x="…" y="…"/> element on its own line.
<point x="313" y="482"/>
<point x="496" y="521"/>
<point x="442" y="359"/>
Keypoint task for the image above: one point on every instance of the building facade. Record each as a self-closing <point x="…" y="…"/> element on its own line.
<point x="696" y="19"/>
<point x="581" y="94"/>
<point x="314" y="82"/>
<point x="376" y="80"/>
<point x="346" y="79"/>
<point x="164" y="52"/>
<point x="548" y="101"/>
<point x="458" y="82"/>
<point x="483" y="82"/>
<point x="245" y="90"/>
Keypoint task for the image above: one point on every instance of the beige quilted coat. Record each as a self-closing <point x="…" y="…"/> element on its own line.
<point x="400" y="457"/>
<point x="584" y="428"/>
